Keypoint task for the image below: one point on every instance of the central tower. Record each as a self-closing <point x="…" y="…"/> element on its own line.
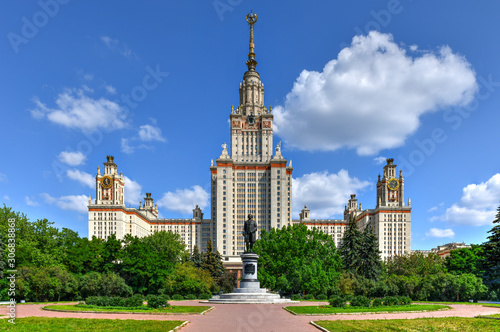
<point x="249" y="179"/>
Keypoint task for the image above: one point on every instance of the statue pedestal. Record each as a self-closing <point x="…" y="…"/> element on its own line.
<point x="249" y="290"/>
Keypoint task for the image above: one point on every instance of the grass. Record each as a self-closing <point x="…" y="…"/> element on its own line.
<point x="469" y="303"/>
<point x="420" y="324"/>
<point x="326" y="309"/>
<point x="85" y="324"/>
<point x="167" y="310"/>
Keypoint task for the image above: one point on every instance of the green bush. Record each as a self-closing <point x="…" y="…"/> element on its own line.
<point x="360" y="301"/>
<point x="134" y="301"/>
<point x="377" y="302"/>
<point x="116" y="301"/>
<point x="321" y="297"/>
<point x="205" y="296"/>
<point x="177" y="297"/>
<point x="390" y="300"/>
<point x="296" y="297"/>
<point x="404" y="300"/>
<point x="190" y="297"/>
<point x="156" y="301"/>
<point x="308" y="297"/>
<point x="337" y="301"/>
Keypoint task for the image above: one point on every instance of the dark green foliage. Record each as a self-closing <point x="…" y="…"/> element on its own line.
<point x="177" y="297"/>
<point x="117" y="301"/>
<point x="308" y="297"/>
<point x="415" y="263"/>
<point x="491" y="260"/>
<point x="377" y="302"/>
<point x="360" y="301"/>
<point x="134" y="301"/>
<point x="390" y="300"/>
<point x="359" y="251"/>
<point x="2" y="262"/>
<point x="227" y="282"/>
<point x="296" y="297"/>
<point x="337" y="301"/>
<point x="294" y="259"/>
<point x="146" y="262"/>
<point x="107" y="284"/>
<point x="466" y="260"/>
<point x="190" y="297"/>
<point x="186" y="279"/>
<point x="405" y="300"/>
<point x="212" y="262"/>
<point x="156" y="301"/>
<point x="196" y="257"/>
<point x="205" y="296"/>
<point x="321" y="297"/>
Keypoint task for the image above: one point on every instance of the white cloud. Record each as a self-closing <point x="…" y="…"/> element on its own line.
<point x="436" y="232"/>
<point x="372" y="96"/>
<point x="29" y="202"/>
<point x="82" y="177"/>
<point x="435" y="208"/>
<point x="118" y="47"/>
<point x="325" y="194"/>
<point x="133" y="190"/>
<point x="76" y="110"/>
<point x="185" y="200"/>
<point x="110" y="89"/>
<point x="379" y="160"/>
<point x="7" y="198"/>
<point x="150" y="133"/>
<point x="477" y="206"/>
<point x="72" y="158"/>
<point x="72" y="202"/>
<point x="126" y="147"/>
<point x="3" y="177"/>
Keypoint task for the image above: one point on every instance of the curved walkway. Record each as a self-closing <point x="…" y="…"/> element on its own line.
<point x="252" y="317"/>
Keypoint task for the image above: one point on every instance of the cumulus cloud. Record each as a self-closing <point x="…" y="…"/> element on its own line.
<point x="76" y="110"/>
<point x="379" y="160"/>
<point x="71" y="158"/>
<point x="372" y="96"/>
<point x="72" y="202"/>
<point x="325" y="194"/>
<point x="477" y="206"/>
<point x="82" y="177"/>
<point x="436" y="232"/>
<point x="133" y="190"/>
<point x="150" y="133"/>
<point x="29" y="202"/>
<point x="185" y="200"/>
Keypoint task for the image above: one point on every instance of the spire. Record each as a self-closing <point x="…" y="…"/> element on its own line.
<point x="251" y="63"/>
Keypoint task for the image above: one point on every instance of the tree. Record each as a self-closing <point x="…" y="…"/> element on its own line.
<point x="187" y="279"/>
<point x="294" y="260"/>
<point x="415" y="263"/>
<point x="146" y="262"/>
<point x="491" y="260"/>
<point x="466" y="260"/>
<point x="196" y="257"/>
<point x="211" y="261"/>
<point x="359" y="251"/>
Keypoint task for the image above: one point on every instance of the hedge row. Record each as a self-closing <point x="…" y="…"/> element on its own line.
<point x="363" y="301"/>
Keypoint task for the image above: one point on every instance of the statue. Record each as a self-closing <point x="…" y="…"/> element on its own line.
<point x="250" y="233"/>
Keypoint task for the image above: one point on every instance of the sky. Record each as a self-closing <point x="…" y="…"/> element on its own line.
<point x="351" y="84"/>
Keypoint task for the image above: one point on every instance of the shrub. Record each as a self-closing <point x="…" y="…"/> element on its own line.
<point x="116" y="301"/>
<point x="156" y="301"/>
<point x="377" y="303"/>
<point x="308" y="297"/>
<point x="337" y="301"/>
<point x="390" y="300"/>
<point x="404" y="300"/>
<point x="360" y="301"/>
<point x="296" y="297"/>
<point x="190" y="297"/>
<point x="134" y="301"/>
<point x="205" y="296"/>
<point x="321" y="297"/>
<point x="177" y="297"/>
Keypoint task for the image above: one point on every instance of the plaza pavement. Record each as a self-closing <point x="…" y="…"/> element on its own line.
<point x="251" y="317"/>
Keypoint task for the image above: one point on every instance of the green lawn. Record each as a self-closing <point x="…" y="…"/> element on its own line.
<point x="470" y="303"/>
<point x="420" y="324"/>
<point x="326" y="309"/>
<point x="168" y="310"/>
<point x="83" y="324"/>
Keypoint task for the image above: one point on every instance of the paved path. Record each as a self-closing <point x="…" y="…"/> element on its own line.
<point x="253" y="317"/>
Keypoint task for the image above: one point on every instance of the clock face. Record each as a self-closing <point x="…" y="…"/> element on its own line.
<point x="393" y="184"/>
<point x="106" y="182"/>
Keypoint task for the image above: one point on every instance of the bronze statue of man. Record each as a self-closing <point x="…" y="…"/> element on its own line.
<point x="250" y="233"/>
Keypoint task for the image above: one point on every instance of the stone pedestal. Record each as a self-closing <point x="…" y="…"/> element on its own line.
<point x="249" y="290"/>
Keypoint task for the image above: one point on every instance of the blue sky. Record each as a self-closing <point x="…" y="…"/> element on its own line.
<point x="351" y="84"/>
